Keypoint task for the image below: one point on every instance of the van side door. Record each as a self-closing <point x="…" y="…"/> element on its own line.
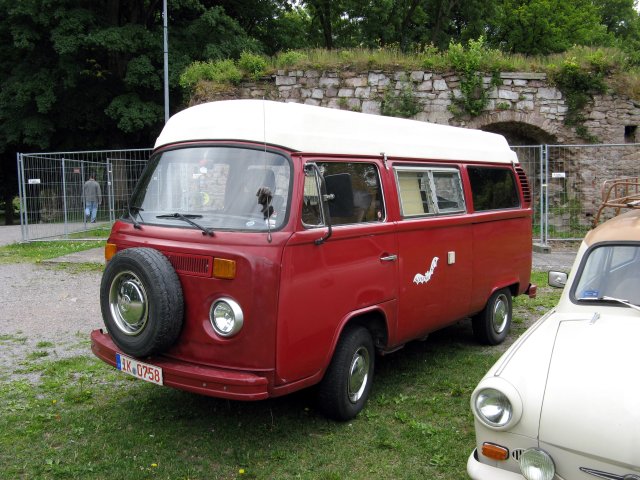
<point x="435" y="247"/>
<point x="328" y="279"/>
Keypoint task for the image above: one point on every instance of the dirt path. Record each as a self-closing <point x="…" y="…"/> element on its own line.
<point x="45" y="304"/>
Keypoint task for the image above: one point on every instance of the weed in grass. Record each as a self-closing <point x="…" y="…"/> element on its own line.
<point x="37" y="354"/>
<point x="44" y="344"/>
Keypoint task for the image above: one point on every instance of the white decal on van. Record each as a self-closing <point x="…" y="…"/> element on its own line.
<point x="420" y="278"/>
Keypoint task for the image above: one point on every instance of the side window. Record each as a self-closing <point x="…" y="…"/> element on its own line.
<point x="425" y="191"/>
<point x="493" y="188"/>
<point x="354" y="194"/>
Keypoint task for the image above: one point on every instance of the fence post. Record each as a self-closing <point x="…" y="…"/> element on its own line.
<point x="64" y="198"/>
<point x="110" y="188"/>
<point x="544" y="195"/>
<point x="24" y="226"/>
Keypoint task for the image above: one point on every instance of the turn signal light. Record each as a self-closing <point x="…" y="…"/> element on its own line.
<point x="223" y="268"/>
<point x="495" y="452"/>
<point x="110" y="250"/>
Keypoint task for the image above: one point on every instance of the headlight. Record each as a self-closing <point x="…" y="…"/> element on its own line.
<point x="493" y="407"/>
<point x="226" y="317"/>
<point x="536" y="464"/>
<point x="496" y="403"/>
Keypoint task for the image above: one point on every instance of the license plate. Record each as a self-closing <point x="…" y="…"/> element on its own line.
<point x="143" y="371"/>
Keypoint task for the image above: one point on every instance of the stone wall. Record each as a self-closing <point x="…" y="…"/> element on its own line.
<point x="525" y="107"/>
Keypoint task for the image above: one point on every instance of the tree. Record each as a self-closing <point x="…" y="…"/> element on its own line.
<point x="540" y="27"/>
<point x="86" y="74"/>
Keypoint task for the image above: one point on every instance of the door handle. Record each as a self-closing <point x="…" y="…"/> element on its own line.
<point x="389" y="258"/>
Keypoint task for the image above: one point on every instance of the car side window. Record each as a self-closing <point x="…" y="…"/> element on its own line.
<point x="429" y="191"/>
<point x="353" y="190"/>
<point x="493" y="188"/>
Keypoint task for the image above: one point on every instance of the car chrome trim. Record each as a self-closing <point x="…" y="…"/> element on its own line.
<point x="609" y="476"/>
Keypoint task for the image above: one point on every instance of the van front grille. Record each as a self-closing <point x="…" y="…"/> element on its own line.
<point x="198" y="265"/>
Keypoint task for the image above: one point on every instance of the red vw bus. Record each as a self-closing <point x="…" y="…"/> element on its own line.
<point x="269" y="247"/>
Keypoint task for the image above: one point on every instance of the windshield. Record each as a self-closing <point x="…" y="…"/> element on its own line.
<point x="610" y="271"/>
<point x="217" y="188"/>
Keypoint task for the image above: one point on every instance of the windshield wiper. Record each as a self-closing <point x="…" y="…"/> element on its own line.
<point x="612" y="299"/>
<point x="187" y="218"/>
<point x="132" y="216"/>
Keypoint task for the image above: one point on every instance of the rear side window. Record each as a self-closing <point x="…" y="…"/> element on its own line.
<point x="493" y="188"/>
<point x="429" y="191"/>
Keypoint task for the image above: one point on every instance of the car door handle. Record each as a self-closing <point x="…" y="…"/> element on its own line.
<point x="389" y="258"/>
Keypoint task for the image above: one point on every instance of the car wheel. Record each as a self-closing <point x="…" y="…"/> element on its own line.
<point x="345" y="388"/>
<point x="492" y="325"/>
<point x="141" y="301"/>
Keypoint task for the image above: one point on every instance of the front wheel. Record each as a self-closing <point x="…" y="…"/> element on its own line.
<point x="345" y="388"/>
<point x="492" y="325"/>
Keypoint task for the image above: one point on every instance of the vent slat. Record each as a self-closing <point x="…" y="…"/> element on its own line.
<point x="197" y="265"/>
<point x="524" y="182"/>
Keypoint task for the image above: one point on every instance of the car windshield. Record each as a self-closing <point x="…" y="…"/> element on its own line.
<point x="610" y="272"/>
<point x="214" y="188"/>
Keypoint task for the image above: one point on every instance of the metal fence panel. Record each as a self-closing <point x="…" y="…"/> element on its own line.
<point x="565" y="182"/>
<point x="51" y="189"/>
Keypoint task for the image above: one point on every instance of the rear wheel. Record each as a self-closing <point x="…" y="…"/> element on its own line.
<point x="492" y="325"/>
<point x="345" y="388"/>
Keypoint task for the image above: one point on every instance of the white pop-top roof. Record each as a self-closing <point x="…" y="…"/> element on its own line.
<point x="311" y="129"/>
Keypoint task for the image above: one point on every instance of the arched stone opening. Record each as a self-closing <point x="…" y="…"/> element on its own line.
<point x="519" y="128"/>
<point x="518" y="133"/>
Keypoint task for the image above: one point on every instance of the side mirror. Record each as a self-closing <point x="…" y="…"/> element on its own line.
<point x="557" y="279"/>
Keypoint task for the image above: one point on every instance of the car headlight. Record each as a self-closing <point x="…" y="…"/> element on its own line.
<point x="536" y="464"/>
<point x="493" y="407"/>
<point x="496" y="403"/>
<point x="226" y="317"/>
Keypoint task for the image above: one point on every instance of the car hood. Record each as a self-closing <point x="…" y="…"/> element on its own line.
<point x="591" y="400"/>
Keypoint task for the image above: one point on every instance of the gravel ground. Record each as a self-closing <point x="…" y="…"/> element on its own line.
<point x="43" y="303"/>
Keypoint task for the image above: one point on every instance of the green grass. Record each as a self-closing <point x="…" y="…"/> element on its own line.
<point x="83" y="419"/>
<point x="35" y="252"/>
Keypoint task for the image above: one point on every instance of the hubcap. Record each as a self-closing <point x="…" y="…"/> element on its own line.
<point x="358" y="374"/>
<point x="500" y="314"/>
<point x="128" y="303"/>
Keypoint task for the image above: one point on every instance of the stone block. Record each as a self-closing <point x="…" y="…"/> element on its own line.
<point x="363" y="92"/>
<point x="416" y="76"/>
<point x="345" y="92"/>
<point x="440" y="85"/>
<point x="549" y="94"/>
<point x="285" y="80"/>
<point x="508" y="94"/>
<point x="355" y="82"/>
<point x="327" y="82"/>
<point x="371" y="106"/>
<point x="425" y="86"/>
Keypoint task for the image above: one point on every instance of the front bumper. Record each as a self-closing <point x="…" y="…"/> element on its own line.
<point x="201" y="379"/>
<point x="481" y="471"/>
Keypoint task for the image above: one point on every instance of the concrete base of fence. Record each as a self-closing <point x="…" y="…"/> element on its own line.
<point x="539" y="248"/>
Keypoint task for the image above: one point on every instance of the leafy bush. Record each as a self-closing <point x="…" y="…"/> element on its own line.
<point x="253" y="65"/>
<point x="290" y="58"/>
<point x="469" y="63"/>
<point x="402" y="104"/>
<point x="220" y="71"/>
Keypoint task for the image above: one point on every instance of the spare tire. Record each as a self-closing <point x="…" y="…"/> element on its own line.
<point x="141" y="301"/>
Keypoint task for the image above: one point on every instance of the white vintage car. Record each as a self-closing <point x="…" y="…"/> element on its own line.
<point x="563" y="402"/>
